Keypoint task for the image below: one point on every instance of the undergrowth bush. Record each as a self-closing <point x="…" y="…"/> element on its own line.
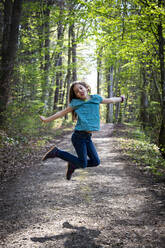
<point x="137" y="146"/>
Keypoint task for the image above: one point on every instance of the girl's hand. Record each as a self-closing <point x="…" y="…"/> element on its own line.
<point x="42" y="118"/>
<point x="122" y="98"/>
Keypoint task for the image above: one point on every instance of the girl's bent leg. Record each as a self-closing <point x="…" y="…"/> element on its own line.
<point x="79" y="143"/>
<point x="92" y="154"/>
<point x="69" y="158"/>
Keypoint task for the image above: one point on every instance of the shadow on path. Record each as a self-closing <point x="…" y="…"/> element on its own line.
<point x="79" y="237"/>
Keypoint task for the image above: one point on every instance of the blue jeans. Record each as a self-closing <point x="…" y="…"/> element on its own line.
<point x="86" y="152"/>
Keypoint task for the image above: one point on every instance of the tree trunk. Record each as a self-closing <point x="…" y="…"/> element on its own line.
<point x="109" y="118"/>
<point x="162" y="73"/>
<point x="1" y="26"/>
<point x="68" y="78"/>
<point x="59" y="82"/>
<point x="143" y="100"/>
<point x="74" y="55"/>
<point x="116" y="92"/>
<point x="12" y="13"/>
<point x="98" y="72"/>
<point x="45" y="85"/>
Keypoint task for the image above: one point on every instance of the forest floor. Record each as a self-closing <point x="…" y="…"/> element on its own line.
<point x="113" y="205"/>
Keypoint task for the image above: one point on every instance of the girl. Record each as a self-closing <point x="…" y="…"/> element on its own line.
<point x="86" y="108"/>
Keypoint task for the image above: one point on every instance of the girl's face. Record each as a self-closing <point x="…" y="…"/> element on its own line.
<point x="81" y="91"/>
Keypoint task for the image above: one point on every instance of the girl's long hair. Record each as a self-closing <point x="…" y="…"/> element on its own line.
<point x="72" y="94"/>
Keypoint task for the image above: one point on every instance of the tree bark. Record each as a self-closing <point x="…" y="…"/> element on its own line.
<point x="46" y="33"/>
<point x="68" y="78"/>
<point x="59" y="82"/>
<point x="162" y="81"/>
<point x="1" y="26"/>
<point x="74" y="55"/>
<point x="12" y="14"/>
<point x="98" y="71"/>
<point x="143" y="100"/>
<point x="109" y="118"/>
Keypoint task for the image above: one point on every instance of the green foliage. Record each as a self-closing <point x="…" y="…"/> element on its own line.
<point x="137" y="146"/>
<point x="22" y="120"/>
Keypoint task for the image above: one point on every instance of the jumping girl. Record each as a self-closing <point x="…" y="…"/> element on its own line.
<point x="85" y="108"/>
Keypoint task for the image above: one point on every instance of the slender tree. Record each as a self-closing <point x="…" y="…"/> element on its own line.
<point x="46" y="46"/>
<point x="60" y="37"/>
<point x="161" y="4"/>
<point x="74" y="57"/>
<point x="110" y="82"/>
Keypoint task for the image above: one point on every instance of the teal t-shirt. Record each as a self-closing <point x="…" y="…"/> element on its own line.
<point x="87" y="112"/>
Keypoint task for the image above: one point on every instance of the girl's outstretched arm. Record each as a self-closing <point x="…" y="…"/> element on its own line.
<point x="113" y="99"/>
<point x="56" y="115"/>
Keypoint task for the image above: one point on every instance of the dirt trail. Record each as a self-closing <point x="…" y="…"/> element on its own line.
<point x="112" y="205"/>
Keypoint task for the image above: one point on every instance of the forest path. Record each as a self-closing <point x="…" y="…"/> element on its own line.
<point x="112" y="205"/>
